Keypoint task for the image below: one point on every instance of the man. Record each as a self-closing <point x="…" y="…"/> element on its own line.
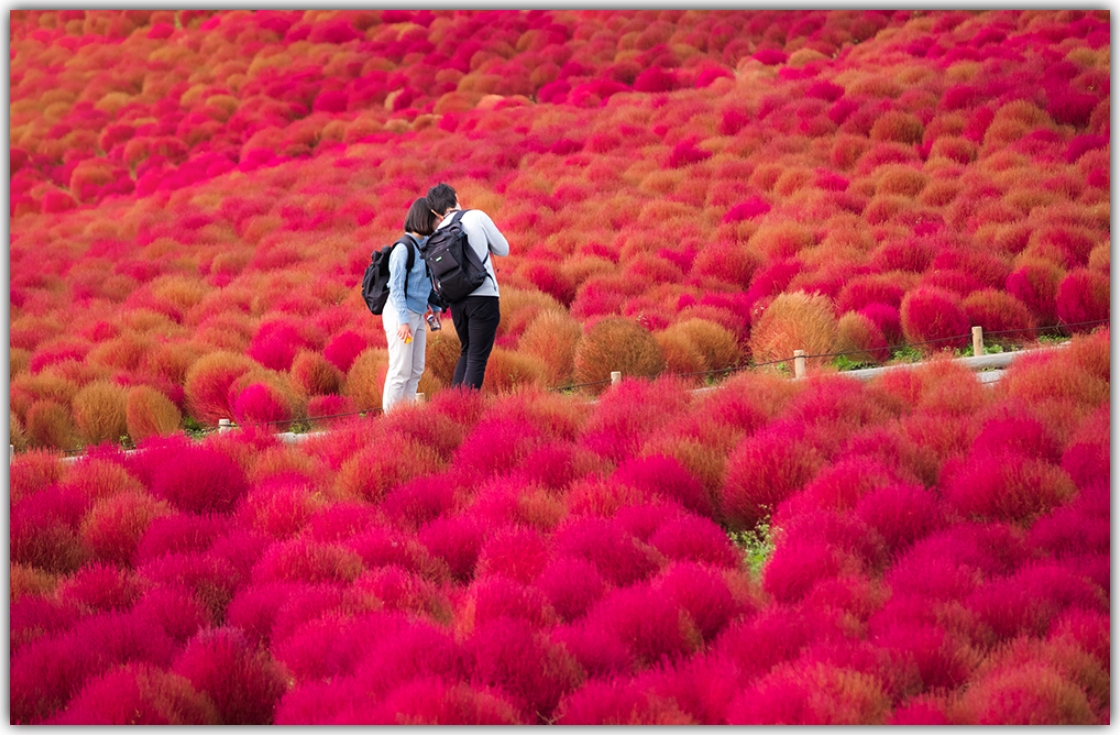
<point x="477" y="315"/>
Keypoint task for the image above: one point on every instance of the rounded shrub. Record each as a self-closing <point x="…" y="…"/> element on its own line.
<point x="934" y="319"/>
<point x="860" y="339"/>
<point x="616" y="344"/>
<point x="794" y="321"/>
<point x="100" y="412"/>
<point x="1083" y="299"/>
<point x="553" y="337"/>
<point x="762" y="471"/>
<point x="208" y="382"/>
<point x="244" y="685"/>
<point x="148" y="412"/>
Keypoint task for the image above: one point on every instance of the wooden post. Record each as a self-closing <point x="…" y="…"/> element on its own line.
<point x="616" y="377"/>
<point x="977" y="341"/>
<point x="799" y="363"/>
<point x="223" y="426"/>
<point x="419" y="397"/>
<point x="11" y="453"/>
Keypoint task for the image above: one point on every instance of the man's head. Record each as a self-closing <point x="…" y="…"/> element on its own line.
<point x="442" y="198"/>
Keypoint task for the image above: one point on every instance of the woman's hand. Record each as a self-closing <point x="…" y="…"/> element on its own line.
<point x="404" y="331"/>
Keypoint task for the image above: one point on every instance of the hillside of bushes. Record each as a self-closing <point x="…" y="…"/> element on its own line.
<point x="690" y="196"/>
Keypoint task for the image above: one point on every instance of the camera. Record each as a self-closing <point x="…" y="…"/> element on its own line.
<point x="433" y="322"/>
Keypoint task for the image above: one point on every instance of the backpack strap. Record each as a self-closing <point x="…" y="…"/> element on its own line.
<point x="470" y="251"/>
<point x="412" y="244"/>
<point x="408" y="243"/>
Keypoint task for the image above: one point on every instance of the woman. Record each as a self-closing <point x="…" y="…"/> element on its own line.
<point x="405" y="312"/>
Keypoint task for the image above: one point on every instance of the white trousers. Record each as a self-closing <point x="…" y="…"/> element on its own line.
<point x="406" y="361"/>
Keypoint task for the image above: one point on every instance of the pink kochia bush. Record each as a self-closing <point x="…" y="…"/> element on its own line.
<point x="919" y="548"/>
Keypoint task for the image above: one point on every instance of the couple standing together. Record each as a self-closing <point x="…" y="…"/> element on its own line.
<point x="475" y="317"/>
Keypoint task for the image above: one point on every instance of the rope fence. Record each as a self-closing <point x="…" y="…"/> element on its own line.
<point x="799" y="358"/>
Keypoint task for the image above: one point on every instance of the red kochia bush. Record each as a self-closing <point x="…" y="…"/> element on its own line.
<point x="100" y="586"/>
<point x="434" y="701"/>
<point x="764" y="470"/>
<point x="703" y="593"/>
<point x="779" y="633"/>
<point x="1083" y="299"/>
<point x="901" y="514"/>
<point x="1087" y="457"/>
<point x="651" y="624"/>
<point x="949" y="563"/>
<point x="1028" y="601"/>
<point x="516" y="552"/>
<point x="934" y="319"/>
<point x="342" y="349"/>
<point x="457" y="540"/>
<point x="841" y="485"/>
<point x="693" y="539"/>
<point x="181" y="532"/>
<point x="260" y="403"/>
<point x="999" y="311"/>
<point x="495" y="445"/>
<point x="35" y="617"/>
<point x="619" y="702"/>
<point x="1035" y="283"/>
<point x="138" y="694"/>
<point x="534" y="672"/>
<point x="500" y="596"/>
<point x="44" y="529"/>
<point x="173" y="609"/>
<point x="47" y="673"/>
<point x="1029" y="693"/>
<point x="571" y="585"/>
<point x="244" y="684"/>
<point x="811" y="693"/>
<point x="193" y="478"/>
<point x="1014" y="428"/>
<point x="619" y="557"/>
<point x="1005" y="485"/>
<point x="664" y="477"/>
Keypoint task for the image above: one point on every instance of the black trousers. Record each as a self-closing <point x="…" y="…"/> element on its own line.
<point x="476" y="322"/>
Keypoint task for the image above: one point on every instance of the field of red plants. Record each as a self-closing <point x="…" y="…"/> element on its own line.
<point x="195" y="194"/>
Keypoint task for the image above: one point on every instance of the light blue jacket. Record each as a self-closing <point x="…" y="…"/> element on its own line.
<point x="419" y="285"/>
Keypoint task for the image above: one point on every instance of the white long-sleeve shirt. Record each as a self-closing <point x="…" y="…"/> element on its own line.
<point x="484" y="237"/>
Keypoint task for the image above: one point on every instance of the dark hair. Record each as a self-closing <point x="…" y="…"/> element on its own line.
<point x="420" y="218"/>
<point x="441" y="198"/>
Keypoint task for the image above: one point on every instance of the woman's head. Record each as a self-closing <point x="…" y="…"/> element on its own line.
<point x="420" y="218"/>
<point x="441" y="198"/>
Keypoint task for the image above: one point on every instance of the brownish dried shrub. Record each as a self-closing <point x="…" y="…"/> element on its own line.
<point x="508" y="370"/>
<point x="860" y="339"/>
<point x="16" y="433"/>
<point x="552" y="338"/>
<point x="100" y="411"/>
<point x="149" y="412"/>
<point x="366" y="379"/>
<point x="716" y="344"/>
<point x="616" y="344"/>
<point x="443" y="349"/>
<point x="794" y="321"/>
<point x="314" y="374"/>
<point x="50" y="425"/>
<point x="682" y="357"/>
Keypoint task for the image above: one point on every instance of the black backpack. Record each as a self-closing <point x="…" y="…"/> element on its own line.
<point x="452" y="262"/>
<point x="375" y="282"/>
